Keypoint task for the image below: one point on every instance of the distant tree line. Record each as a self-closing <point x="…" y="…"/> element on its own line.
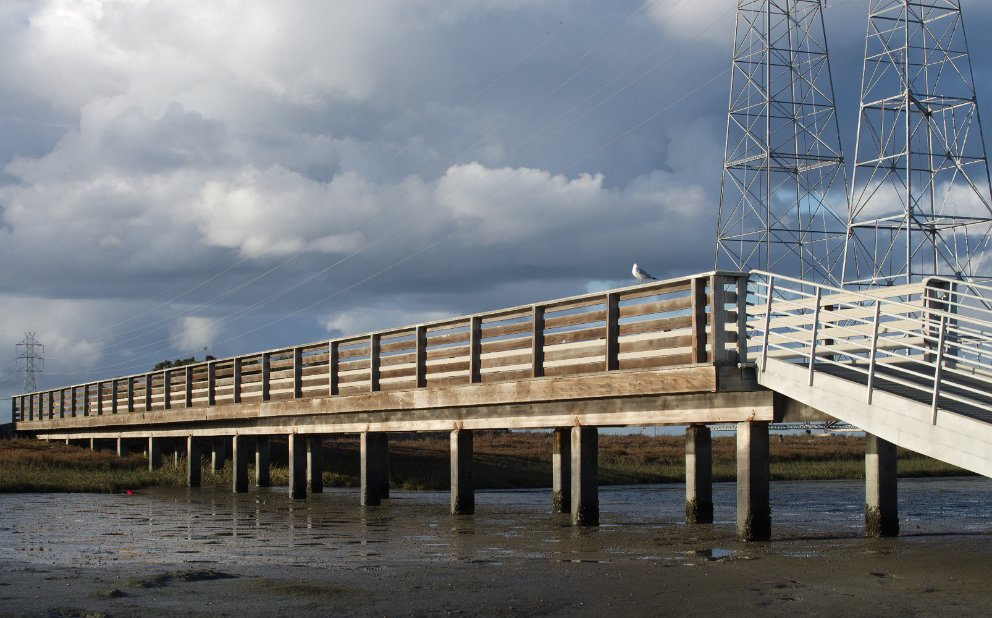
<point x="179" y="362"/>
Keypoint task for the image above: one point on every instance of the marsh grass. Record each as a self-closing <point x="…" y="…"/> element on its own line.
<point x="502" y="460"/>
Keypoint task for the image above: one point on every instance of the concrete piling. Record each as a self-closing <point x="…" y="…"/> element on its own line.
<point x="371" y="444"/>
<point x="218" y="452"/>
<point x="121" y="447"/>
<point x="462" y="483"/>
<point x="297" y="466"/>
<point x="754" y="522"/>
<point x="239" y="463"/>
<point x="154" y="453"/>
<point x="881" y="488"/>
<point x="585" y="476"/>
<point x="262" y="460"/>
<point x="384" y="465"/>
<point x="561" y="470"/>
<point x="315" y="464"/>
<point x="193" y="462"/>
<point x="698" y="475"/>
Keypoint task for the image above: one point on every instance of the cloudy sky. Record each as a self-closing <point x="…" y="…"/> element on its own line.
<point x="185" y="177"/>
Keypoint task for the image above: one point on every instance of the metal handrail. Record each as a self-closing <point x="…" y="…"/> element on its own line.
<point x="935" y="338"/>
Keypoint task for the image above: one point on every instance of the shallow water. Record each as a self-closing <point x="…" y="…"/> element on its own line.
<point x="205" y="526"/>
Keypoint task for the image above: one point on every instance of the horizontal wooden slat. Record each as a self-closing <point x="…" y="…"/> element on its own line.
<point x="660" y="306"/>
<point x="574" y="319"/>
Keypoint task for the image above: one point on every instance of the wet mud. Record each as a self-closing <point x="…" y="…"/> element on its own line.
<point x="210" y="552"/>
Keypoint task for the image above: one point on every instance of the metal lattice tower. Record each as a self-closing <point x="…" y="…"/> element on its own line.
<point x="30" y="361"/>
<point x="783" y="163"/>
<point x="920" y="200"/>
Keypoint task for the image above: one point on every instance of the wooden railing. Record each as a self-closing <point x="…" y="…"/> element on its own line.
<point x="655" y="325"/>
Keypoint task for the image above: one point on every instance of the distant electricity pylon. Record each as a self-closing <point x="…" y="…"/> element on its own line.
<point x="783" y="164"/>
<point x="31" y="360"/>
<point x="920" y="199"/>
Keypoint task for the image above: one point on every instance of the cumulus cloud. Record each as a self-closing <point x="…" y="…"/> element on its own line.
<point x="194" y="333"/>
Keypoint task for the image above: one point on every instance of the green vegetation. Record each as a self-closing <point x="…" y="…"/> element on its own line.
<point x="502" y="460"/>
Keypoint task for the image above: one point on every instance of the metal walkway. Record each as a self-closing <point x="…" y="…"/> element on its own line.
<point x="910" y="364"/>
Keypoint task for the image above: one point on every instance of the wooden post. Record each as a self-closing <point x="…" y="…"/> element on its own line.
<point x="51" y="405"/>
<point x="266" y="371"/>
<point x="561" y="470"/>
<point x="72" y="405"/>
<point x="462" y="483"/>
<point x="239" y="464"/>
<point x="86" y="401"/>
<point x="148" y="392"/>
<point x="297" y="373"/>
<point x="167" y="389"/>
<point x="698" y="475"/>
<point x="718" y="315"/>
<point x="333" y="361"/>
<point x="585" y="476"/>
<point x="262" y="461"/>
<point x="297" y="466"/>
<point x="612" y="332"/>
<point x="537" y="341"/>
<point x="236" y="395"/>
<point x="99" y="398"/>
<point x="475" y="350"/>
<point x="61" y="403"/>
<point x="189" y="386"/>
<point x="375" y="341"/>
<point x="130" y="395"/>
<point x="211" y="383"/>
<point x="421" y="356"/>
<point x="115" y="386"/>
<point x="315" y="464"/>
<point x="193" y="462"/>
<point x="697" y="295"/>
<point x="741" y="319"/>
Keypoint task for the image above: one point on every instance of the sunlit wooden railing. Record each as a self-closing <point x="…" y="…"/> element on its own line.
<point x="655" y="325"/>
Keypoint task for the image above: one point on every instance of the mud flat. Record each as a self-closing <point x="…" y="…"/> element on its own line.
<point x="213" y="553"/>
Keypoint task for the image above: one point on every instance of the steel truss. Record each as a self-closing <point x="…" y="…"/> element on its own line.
<point x="783" y="163"/>
<point x="920" y="200"/>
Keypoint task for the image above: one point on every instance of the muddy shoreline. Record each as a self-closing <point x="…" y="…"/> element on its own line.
<point x="213" y="553"/>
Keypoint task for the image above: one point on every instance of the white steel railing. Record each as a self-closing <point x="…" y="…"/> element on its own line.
<point x="932" y="338"/>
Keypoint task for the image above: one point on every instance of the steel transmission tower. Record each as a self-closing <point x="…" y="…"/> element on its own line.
<point x="31" y="361"/>
<point x="783" y="164"/>
<point x="920" y="199"/>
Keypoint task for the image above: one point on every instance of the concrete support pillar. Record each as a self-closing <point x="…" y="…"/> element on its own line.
<point x="315" y="464"/>
<point x="218" y="452"/>
<point x="93" y="445"/>
<point x="239" y="464"/>
<point x="561" y="470"/>
<point x="881" y="488"/>
<point x="462" y="483"/>
<point x="193" y="461"/>
<point x="178" y="452"/>
<point x="754" y="520"/>
<point x="384" y="465"/>
<point x="262" y="460"/>
<point x="297" y="466"/>
<point x="585" y="476"/>
<point x="121" y="447"/>
<point x="698" y="475"/>
<point x="372" y="446"/>
<point x="154" y="453"/>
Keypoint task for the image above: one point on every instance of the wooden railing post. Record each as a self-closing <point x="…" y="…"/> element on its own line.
<point x="188" y="386"/>
<point x="167" y="389"/>
<point x="874" y="348"/>
<point x="938" y="365"/>
<point x="211" y="383"/>
<point x="813" y="335"/>
<point x="768" y="322"/>
<point x="421" y="356"/>
<point x="697" y="293"/>
<point x="612" y="331"/>
<point x="375" y="353"/>
<point x="73" y="405"/>
<point x="86" y="400"/>
<point x="114" y="385"/>
<point x="537" y="341"/>
<point x="130" y="395"/>
<point x="297" y="373"/>
<point x="333" y="362"/>
<point x="718" y="317"/>
<point x="99" y="398"/>
<point x="148" y="392"/>
<point x="14" y="412"/>
<point x="266" y="375"/>
<point x="475" y="350"/>
<point x="61" y="403"/>
<point x="51" y="405"/>
<point x="236" y="395"/>
<point x="742" y="319"/>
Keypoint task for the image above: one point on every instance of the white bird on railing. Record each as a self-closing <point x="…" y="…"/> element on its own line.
<point x="640" y="274"/>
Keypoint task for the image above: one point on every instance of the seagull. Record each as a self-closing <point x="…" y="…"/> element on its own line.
<point x="640" y="274"/>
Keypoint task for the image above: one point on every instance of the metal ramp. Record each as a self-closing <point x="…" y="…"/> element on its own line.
<point x="911" y="364"/>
